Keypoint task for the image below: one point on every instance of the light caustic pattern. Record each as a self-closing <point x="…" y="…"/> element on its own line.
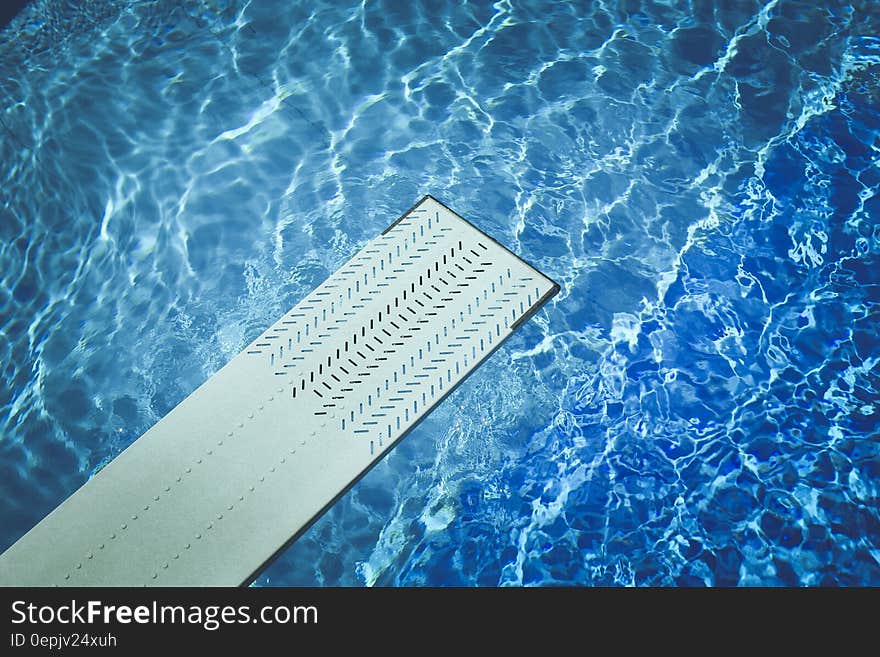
<point x="699" y="404"/>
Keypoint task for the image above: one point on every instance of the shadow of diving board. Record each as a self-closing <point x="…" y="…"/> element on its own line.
<point x="249" y="460"/>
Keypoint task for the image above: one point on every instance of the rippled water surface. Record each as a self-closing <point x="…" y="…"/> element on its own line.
<point x="699" y="405"/>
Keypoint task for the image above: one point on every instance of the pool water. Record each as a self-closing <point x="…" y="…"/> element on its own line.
<point x="700" y="404"/>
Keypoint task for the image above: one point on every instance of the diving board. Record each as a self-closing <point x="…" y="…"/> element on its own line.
<point x="251" y="458"/>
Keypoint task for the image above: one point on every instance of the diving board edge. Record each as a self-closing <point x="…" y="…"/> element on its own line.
<point x="528" y="315"/>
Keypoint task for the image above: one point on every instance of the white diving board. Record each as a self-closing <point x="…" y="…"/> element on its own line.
<point x="241" y="467"/>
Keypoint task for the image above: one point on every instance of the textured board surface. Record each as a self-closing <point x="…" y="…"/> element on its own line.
<point x="245" y="463"/>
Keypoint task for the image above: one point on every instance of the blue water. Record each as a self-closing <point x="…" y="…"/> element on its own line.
<point x="700" y="405"/>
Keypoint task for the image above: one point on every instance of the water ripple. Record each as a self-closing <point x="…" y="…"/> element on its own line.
<point x="699" y="405"/>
